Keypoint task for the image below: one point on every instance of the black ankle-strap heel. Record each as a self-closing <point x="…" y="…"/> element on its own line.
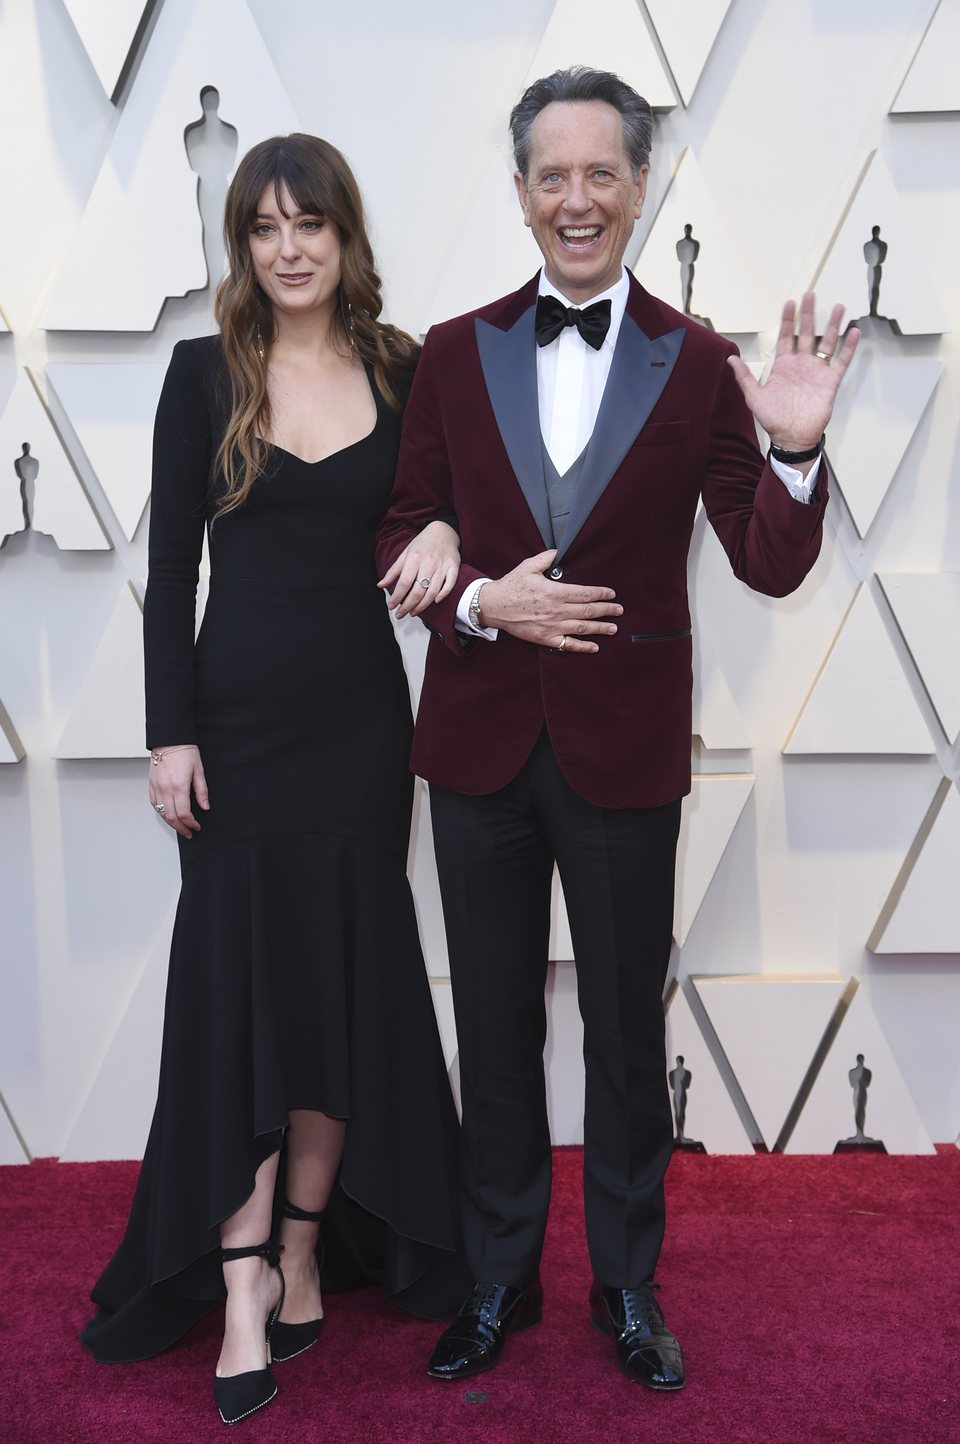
<point x="289" y="1340"/>
<point x="238" y="1395"/>
<point x="302" y="1215"/>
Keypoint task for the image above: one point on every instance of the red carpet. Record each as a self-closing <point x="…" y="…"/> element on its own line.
<point x="817" y="1300"/>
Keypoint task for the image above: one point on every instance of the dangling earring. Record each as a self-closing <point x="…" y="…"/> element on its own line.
<point x="261" y="352"/>
<point x="350" y="330"/>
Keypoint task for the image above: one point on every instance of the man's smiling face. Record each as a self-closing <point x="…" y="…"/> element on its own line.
<point x="580" y="198"/>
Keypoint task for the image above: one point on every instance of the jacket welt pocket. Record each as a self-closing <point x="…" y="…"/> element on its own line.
<point x="659" y="433"/>
<point x="659" y="636"/>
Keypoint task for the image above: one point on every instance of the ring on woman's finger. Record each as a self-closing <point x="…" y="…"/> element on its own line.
<point x="822" y="355"/>
<point x="159" y="807"/>
<point x="424" y="582"/>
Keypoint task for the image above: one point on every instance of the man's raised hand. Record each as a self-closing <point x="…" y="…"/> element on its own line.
<point x="795" y="402"/>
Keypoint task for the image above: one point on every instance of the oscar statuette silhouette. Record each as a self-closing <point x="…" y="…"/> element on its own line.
<point x="680" y="1079"/>
<point x="860" y="1079"/>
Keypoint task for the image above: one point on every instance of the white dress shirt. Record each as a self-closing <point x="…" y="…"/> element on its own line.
<point x="571" y="377"/>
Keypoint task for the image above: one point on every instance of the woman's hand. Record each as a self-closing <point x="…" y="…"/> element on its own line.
<point x="174" y="771"/>
<point x="425" y="571"/>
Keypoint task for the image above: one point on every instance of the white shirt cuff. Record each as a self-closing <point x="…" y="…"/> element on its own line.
<point x="464" y="624"/>
<point x="799" y="486"/>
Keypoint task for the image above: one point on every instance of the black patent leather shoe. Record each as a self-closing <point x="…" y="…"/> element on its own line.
<point x="474" y="1341"/>
<point x="646" y="1350"/>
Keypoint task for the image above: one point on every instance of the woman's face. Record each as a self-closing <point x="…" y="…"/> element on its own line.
<point x="295" y="255"/>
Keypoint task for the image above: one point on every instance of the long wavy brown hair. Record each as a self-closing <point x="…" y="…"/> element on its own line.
<point x="321" y="183"/>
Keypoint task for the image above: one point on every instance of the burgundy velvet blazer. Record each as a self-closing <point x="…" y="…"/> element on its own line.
<point x="672" y="426"/>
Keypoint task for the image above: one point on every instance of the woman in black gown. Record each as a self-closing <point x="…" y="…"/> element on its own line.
<point x="301" y="1068"/>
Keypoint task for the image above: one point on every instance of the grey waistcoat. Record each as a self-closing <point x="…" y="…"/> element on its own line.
<point x="560" y="490"/>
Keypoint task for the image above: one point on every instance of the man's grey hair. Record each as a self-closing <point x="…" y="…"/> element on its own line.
<point x="582" y="83"/>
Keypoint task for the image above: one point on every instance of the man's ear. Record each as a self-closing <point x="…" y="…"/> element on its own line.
<point x="641" y="191"/>
<point x="523" y="196"/>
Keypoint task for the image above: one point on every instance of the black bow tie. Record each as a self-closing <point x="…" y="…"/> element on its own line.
<point x="593" y="322"/>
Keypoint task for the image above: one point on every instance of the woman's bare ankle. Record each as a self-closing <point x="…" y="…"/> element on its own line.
<point x="252" y="1291"/>
<point x="303" y="1300"/>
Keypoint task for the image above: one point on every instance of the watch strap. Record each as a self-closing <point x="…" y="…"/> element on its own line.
<point x="790" y="457"/>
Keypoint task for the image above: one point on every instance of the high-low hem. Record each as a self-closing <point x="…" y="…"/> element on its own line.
<point x="362" y="1045"/>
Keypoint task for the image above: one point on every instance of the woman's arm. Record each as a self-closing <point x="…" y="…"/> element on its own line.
<point x="182" y="451"/>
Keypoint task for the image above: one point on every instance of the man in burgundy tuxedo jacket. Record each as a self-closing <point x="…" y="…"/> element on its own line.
<point x="572" y="442"/>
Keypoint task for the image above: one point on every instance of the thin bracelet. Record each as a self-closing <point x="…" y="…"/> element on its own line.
<point x="156" y="756"/>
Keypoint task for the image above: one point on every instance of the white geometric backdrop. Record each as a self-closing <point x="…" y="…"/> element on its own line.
<point x="817" y="913"/>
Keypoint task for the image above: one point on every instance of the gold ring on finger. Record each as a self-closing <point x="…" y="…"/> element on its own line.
<point x="563" y="642"/>
<point x="823" y="356"/>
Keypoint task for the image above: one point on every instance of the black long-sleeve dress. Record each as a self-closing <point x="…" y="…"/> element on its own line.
<point x="296" y="978"/>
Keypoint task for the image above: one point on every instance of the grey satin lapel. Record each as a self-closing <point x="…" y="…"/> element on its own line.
<point x="640" y="370"/>
<point x="509" y="361"/>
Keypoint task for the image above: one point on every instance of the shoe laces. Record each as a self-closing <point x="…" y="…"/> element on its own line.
<point x="483" y="1298"/>
<point x="641" y="1310"/>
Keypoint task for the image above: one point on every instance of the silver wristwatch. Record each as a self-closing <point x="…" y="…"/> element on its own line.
<point x="473" y="610"/>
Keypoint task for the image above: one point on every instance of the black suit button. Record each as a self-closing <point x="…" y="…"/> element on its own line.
<point x="555" y="573"/>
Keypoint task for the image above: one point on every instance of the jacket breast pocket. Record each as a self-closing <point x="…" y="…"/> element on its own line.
<point x="662" y="433"/>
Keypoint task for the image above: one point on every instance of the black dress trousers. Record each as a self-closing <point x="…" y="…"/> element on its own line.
<point x="495" y="857"/>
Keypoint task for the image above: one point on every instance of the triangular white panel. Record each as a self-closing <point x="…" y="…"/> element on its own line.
<point x="711" y="1118"/>
<point x="922" y="914"/>
<point x="687" y="30"/>
<point x="111" y="408"/>
<point x="107" y="716"/>
<point x="861" y="702"/>
<point x="877" y="411"/>
<point x="107" y="32"/>
<point x="11" y="1149"/>
<point x="422" y="871"/>
<point x="828" y="1116"/>
<point x="563" y="1056"/>
<point x="710" y="814"/>
<point x="933" y="80"/>
<point x="203" y="592"/>
<point x="11" y="748"/>
<point x="475" y="271"/>
<point x="927" y="608"/>
<point x="726" y="288"/>
<point x="145" y="197"/>
<point x="561" y="943"/>
<point x="442" y="995"/>
<point x="716" y="717"/>
<point x="61" y="508"/>
<point x="770" y="1029"/>
<point x="608" y="35"/>
<point x="115" y="1118"/>
<point x="906" y="295"/>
